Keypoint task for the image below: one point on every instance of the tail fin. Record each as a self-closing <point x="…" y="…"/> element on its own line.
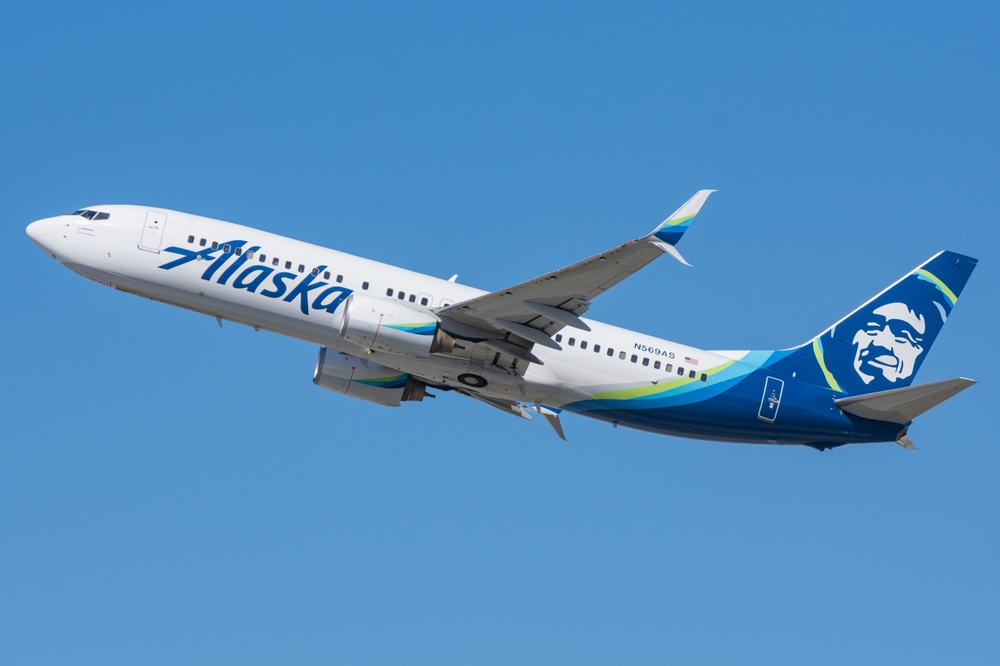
<point x="881" y="345"/>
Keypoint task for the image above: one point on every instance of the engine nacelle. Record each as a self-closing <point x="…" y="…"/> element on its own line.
<point x="350" y="375"/>
<point x="388" y="325"/>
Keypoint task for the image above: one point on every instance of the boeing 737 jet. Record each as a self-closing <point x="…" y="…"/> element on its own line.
<point x="387" y="335"/>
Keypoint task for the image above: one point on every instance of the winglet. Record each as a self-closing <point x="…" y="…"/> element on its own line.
<point x="674" y="226"/>
<point x="551" y="415"/>
<point x="672" y="251"/>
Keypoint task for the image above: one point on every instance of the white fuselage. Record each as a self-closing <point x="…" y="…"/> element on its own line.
<point x="111" y="252"/>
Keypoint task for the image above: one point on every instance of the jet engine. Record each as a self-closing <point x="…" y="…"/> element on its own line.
<point x="350" y="375"/>
<point x="387" y="325"/>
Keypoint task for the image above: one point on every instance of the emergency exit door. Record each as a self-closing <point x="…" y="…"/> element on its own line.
<point x="152" y="231"/>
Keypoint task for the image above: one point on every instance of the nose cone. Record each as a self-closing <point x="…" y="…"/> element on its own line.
<point x="36" y="231"/>
<point x="43" y="233"/>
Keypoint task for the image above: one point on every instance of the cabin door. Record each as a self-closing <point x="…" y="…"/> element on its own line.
<point x="152" y="231"/>
<point x="771" y="399"/>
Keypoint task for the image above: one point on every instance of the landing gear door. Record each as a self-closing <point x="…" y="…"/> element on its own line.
<point x="152" y="231"/>
<point x="771" y="399"/>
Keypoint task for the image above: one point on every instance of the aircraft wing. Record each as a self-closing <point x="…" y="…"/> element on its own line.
<point x="505" y="406"/>
<point x="531" y="312"/>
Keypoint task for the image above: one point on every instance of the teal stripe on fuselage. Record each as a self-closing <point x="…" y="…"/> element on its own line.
<point x="692" y="392"/>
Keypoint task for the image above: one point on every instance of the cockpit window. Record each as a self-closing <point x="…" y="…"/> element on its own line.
<point x="91" y="214"/>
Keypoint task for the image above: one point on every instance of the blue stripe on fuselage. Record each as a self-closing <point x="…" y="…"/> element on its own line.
<point x="807" y="414"/>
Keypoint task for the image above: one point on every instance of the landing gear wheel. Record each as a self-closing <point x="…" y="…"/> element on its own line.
<point x="474" y="381"/>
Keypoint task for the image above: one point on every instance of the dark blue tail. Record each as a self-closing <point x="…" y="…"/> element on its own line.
<point x="882" y="344"/>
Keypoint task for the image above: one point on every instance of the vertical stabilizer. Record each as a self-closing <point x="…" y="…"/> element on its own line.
<point x="881" y="345"/>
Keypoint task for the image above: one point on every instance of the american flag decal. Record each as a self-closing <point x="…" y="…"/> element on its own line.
<point x="690" y="361"/>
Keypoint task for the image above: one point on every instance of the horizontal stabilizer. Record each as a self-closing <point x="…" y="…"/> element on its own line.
<point x="903" y="404"/>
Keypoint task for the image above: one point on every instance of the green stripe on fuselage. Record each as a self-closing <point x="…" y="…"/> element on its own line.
<point x="655" y="389"/>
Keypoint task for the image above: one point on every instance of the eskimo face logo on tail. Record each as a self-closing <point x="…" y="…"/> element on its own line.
<point x="889" y="344"/>
<point x="283" y="284"/>
<point x="882" y="345"/>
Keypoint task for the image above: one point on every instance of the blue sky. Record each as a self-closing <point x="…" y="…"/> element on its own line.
<point x="175" y="492"/>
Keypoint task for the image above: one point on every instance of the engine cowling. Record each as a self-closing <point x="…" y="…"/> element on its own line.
<point x="367" y="380"/>
<point x="392" y="326"/>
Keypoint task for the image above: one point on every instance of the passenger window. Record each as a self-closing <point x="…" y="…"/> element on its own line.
<point x="340" y="278"/>
<point x="302" y="268"/>
<point x="597" y="349"/>
<point x="423" y="301"/>
<point x="239" y="251"/>
<point x="227" y="248"/>
<point x="314" y="271"/>
<point x="262" y="258"/>
<point x="572" y="341"/>
<point x="558" y="337"/>
<point x="704" y="377"/>
<point x="249" y="254"/>
<point x="388" y="292"/>
<point x="413" y="298"/>
<point x="645" y="361"/>
<point x="401" y="296"/>
<point x="364" y="285"/>
<point x="288" y="264"/>
<point x="274" y="262"/>
<point x="669" y="367"/>
<point x="634" y="358"/>
<point x="611" y="352"/>
<point x="583" y="344"/>
<point x="326" y="275"/>
<point x="656" y="366"/>
<point x="215" y="245"/>
<point x="191" y="239"/>
<point x="692" y="374"/>
<point x="680" y="370"/>
<point x="621" y="355"/>
<point x="202" y="242"/>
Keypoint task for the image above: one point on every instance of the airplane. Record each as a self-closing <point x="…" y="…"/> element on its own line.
<point x="388" y="335"/>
